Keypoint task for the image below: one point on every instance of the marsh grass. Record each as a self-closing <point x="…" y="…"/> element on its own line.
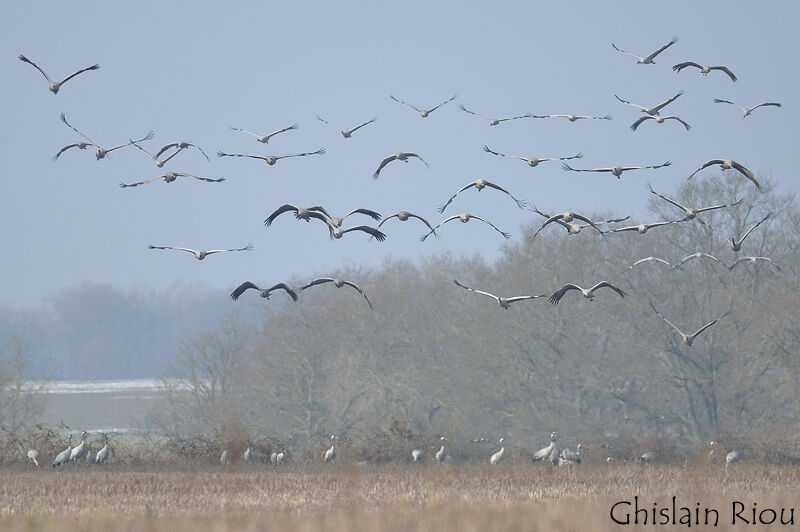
<point x="351" y="497"/>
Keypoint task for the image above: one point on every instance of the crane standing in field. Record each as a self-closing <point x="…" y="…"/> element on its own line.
<point x="330" y="454"/>
<point x="62" y="457"/>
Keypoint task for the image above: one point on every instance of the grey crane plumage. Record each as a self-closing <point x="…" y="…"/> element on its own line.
<point x="479" y="185"/>
<point x="330" y="454"/>
<point x="224" y="458"/>
<point x="338" y="283"/>
<point x="271" y="159"/>
<point x="464" y="217"/>
<point x="169" y="177"/>
<point x="33" y="456"/>
<point x="416" y="455"/>
<point x="263" y="292"/>
<point x="441" y="454"/>
<point x="100" y="152"/>
<point x="653" y="111"/>
<point x="248" y="453"/>
<point x="569" y="457"/>
<point x="575" y="229"/>
<point x="280" y="457"/>
<point x="689" y="212"/>
<point x="565" y="218"/>
<point x="736" y="243"/>
<point x="643" y="228"/>
<point x="159" y="162"/>
<point x="698" y="255"/>
<point x="179" y="146"/>
<point x="77" y="451"/>
<point x="264" y="139"/>
<point x="747" y="110"/>
<point x="299" y="212"/>
<point x="494" y="121"/>
<point x="660" y="120"/>
<point x="688" y="339"/>
<point x="649" y="260"/>
<point x="338" y="232"/>
<point x="588" y="293"/>
<point x="423" y="112"/>
<point x="399" y="156"/>
<point x="574" y="118"/>
<point x="531" y="161"/>
<point x="647" y="59"/>
<point x="615" y="170"/>
<point x="712" y="453"/>
<point x="79" y="145"/>
<point x="346" y="133"/>
<point x="704" y="69"/>
<point x="549" y="453"/>
<point x="648" y="457"/>
<point x="753" y="260"/>
<point x="504" y="302"/>
<point x="404" y="216"/>
<point x="63" y="457"/>
<point x="732" y="457"/>
<point x="55" y="86"/>
<point x="102" y="454"/>
<point x="498" y="457"/>
<point x="337" y="222"/>
<point x="202" y="254"/>
<point x="728" y="164"/>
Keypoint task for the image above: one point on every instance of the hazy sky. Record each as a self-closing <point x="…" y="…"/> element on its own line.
<point x="188" y="71"/>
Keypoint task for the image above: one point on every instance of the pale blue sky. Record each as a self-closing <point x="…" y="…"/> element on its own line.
<point x="189" y="71"/>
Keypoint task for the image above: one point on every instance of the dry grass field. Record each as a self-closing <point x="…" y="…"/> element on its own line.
<point x="470" y="497"/>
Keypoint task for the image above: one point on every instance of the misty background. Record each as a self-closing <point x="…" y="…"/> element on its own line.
<point x="83" y="298"/>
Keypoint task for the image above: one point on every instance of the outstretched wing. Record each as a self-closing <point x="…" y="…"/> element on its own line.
<point x="556" y="297"/>
<point x="432" y="109"/>
<point x="318" y="152"/>
<point x="654" y="54"/>
<point x="362" y="125"/>
<point x="372" y="214"/>
<point x="315" y="282"/>
<point x="667" y="102"/>
<point x="681" y="66"/>
<point x="406" y="103"/>
<point x="709" y="324"/>
<point x="476" y="291"/>
<point x="280" y="210"/>
<point x="679" y="119"/>
<point x="751" y="229"/>
<point x="383" y="163"/>
<point x="627" y="102"/>
<point x="520" y="203"/>
<point x="64" y="119"/>
<point x="626" y="52"/>
<point x="505" y="235"/>
<point x="65" y="148"/>
<point x="248" y="247"/>
<point x="640" y="120"/>
<point x="747" y="173"/>
<point x="665" y="319"/>
<point x="332" y="125"/>
<point x="360" y="291"/>
<point x="241" y="288"/>
<point x="726" y="70"/>
<point x="379" y="236"/>
<point x="449" y="201"/>
<point x="93" y="67"/>
<point x="606" y="284"/>
<point x="37" y="67"/>
<point x="286" y="288"/>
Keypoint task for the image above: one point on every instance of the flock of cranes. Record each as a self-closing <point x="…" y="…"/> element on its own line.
<point x="334" y="225"/>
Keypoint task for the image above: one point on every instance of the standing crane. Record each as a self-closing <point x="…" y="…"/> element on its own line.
<point x="497" y="457"/>
<point x="77" y="451"/>
<point x="102" y="454"/>
<point x="330" y="454"/>
<point x="62" y="457"/>
<point x="549" y="453"/>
